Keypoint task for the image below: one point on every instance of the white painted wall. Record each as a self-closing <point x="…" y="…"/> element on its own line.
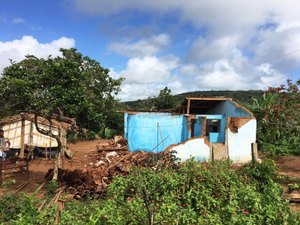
<point x="239" y="144"/>
<point x="12" y="131"/>
<point x="194" y="148"/>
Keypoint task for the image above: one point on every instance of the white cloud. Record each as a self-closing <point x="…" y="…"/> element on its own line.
<point x="145" y="76"/>
<point x="140" y="48"/>
<point x="249" y="44"/>
<point x="149" y="69"/>
<point x="205" y="50"/>
<point x="221" y="15"/>
<point x="18" y="20"/>
<point x="28" y="45"/>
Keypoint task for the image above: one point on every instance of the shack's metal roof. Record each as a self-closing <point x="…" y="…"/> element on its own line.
<point x="30" y="117"/>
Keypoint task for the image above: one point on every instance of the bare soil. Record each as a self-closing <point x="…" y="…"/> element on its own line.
<point x="38" y="168"/>
<point x="288" y="165"/>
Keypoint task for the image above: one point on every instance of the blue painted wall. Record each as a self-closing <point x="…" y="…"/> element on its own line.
<point x="229" y="109"/>
<point x="198" y="126"/>
<point x="146" y="131"/>
<point x="151" y="131"/>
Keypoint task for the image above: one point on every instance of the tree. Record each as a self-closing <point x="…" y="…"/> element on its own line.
<point x="165" y="100"/>
<point x="72" y="83"/>
<point x="278" y="115"/>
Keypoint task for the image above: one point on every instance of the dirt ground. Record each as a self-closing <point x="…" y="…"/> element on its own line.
<point x="288" y="165"/>
<point x="39" y="167"/>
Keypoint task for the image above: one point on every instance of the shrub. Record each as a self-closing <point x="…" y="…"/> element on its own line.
<point x="194" y="193"/>
<point x="278" y="116"/>
<point x="109" y="133"/>
<point x="14" y="206"/>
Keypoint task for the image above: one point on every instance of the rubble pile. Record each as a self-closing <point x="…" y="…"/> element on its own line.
<point x="105" y="165"/>
<point x="118" y="143"/>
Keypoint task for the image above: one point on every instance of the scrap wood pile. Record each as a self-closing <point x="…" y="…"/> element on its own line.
<point x="104" y="166"/>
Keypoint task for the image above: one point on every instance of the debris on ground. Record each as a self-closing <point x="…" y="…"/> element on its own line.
<point x="69" y="153"/>
<point x="104" y="166"/>
<point x="116" y="144"/>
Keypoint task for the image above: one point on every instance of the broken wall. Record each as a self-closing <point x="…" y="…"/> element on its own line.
<point x="239" y="143"/>
<point x="193" y="148"/>
<point x="151" y="131"/>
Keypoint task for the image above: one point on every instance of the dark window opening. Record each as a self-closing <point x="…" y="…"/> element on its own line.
<point x="212" y="126"/>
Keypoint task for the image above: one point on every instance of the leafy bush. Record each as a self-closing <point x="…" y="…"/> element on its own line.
<point x="109" y="133"/>
<point x="12" y="206"/>
<point x="194" y="193"/>
<point x="278" y="115"/>
<point x="91" y="135"/>
<point x="51" y="187"/>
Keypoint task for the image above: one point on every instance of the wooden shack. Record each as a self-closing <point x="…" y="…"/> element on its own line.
<point x="22" y="133"/>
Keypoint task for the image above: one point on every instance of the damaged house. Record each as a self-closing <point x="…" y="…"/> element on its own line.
<point x="204" y="128"/>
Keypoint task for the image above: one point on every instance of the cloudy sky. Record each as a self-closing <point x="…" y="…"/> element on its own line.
<point x="187" y="45"/>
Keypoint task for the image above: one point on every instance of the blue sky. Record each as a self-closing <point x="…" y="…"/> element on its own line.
<point x="185" y="45"/>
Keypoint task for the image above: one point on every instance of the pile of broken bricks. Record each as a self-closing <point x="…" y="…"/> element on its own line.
<point x="106" y="164"/>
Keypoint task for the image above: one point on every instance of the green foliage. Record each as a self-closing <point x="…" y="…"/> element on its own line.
<point x="91" y="135"/>
<point x="197" y="194"/>
<point x="278" y="116"/>
<point x="51" y="187"/>
<point x="8" y="183"/>
<point x="164" y="100"/>
<point x="12" y="206"/>
<point x="109" y="133"/>
<point x="194" y="193"/>
<point x="72" y="83"/>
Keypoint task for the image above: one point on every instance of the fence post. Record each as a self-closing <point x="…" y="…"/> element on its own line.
<point x="254" y="152"/>
<point x="1" y="170"/>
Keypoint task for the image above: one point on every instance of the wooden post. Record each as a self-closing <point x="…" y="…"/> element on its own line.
<point x="254" y="152"/>
<point x="50" y="145"/>
<point x="212" y="157"/>
<point x="204" y="127"/>
<point x="188" y="106"/>
<point x="31" y="138"/>
<point x="1" y="170"/>
<point x="22" y="137"/>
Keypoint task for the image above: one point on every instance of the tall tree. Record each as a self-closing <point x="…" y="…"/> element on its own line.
<point x="72" y="83"/>
<point x="165" y="99"/>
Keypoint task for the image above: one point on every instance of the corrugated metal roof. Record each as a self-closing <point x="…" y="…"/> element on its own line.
<point x="30" y="117"/>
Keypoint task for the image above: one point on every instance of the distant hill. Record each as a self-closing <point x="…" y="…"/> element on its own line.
<point x="242" y="97"/>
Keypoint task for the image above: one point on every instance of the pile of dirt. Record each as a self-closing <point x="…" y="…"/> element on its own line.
<point x="104" y="166"/>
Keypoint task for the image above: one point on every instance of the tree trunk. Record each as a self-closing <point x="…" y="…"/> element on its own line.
<point x="57" y="165"/>
<point x="57" y="162"/>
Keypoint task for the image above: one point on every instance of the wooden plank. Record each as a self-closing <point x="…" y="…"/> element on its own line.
<point x="254" y="152"/>
<point x="204" y="127"/>
<point x="188" y="106"/>
<point x="31" y="136"/>
<point x="209" y="99"/>
<point x="22" y="144"/>
<point x="1" y="169"/>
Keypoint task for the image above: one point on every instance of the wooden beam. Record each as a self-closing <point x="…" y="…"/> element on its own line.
<point x="204" y="127"/>
<point x="254" y="152"/>
<point x="31" y="136"/>
<point x="188" y="106"/>
<point x="22" y="137"/>
<point x="209" y="99"/>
